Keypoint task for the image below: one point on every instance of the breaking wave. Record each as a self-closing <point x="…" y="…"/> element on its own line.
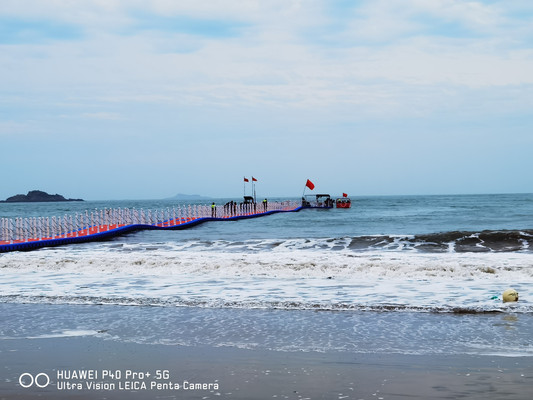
<point x="501" y="241"/>
<point x="456" y="241"/>
<point x="452" y="272"/>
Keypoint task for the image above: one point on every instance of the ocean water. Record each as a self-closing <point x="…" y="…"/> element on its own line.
<point x="407" y="274"/>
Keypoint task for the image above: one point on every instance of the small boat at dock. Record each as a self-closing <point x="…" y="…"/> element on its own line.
<point x="317" y="201"/>
<point x="343" y="202"/>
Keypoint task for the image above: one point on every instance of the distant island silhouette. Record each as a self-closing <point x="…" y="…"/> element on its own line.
<point x="36" y="196"/>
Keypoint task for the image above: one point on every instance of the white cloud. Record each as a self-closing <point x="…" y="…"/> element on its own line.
<point x="383" y="56"/>
<point x="397" y="71"/>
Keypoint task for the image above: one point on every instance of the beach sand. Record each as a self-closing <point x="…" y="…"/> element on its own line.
<point x="233" y="373"/>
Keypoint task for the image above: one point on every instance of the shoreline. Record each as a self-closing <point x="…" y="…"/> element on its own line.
<point x="248" y="373"/>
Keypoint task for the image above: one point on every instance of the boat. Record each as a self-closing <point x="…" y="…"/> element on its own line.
<point x="320" y="201"/>
<point x="343" y="202"/>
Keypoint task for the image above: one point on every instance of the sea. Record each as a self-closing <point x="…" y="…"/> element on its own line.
<point x="392" y="274"/>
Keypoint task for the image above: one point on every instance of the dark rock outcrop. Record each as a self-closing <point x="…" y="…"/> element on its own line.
<point x="36" y="196"/>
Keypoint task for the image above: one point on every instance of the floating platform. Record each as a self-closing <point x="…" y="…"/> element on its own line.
<point x="23" y="234"/>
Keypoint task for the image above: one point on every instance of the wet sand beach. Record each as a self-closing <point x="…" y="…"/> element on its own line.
<point x="129" y="370"/>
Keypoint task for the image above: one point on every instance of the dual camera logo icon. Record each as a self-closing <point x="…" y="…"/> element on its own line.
<point x="27" y="380"/>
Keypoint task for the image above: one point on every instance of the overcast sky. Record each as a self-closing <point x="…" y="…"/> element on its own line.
<point x="111" y="99"/>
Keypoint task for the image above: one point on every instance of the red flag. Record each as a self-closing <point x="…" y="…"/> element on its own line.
<point x="344" y="195"/>
<point x="246" y="180"/>
<point x="310" y="184"/>
<point x="253" y="179"/>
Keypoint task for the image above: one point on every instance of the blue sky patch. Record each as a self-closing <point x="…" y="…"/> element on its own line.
<point x="188" y="25"/>
<point x="26" y="31"/>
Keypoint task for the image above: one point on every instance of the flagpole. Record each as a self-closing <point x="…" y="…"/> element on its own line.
<point x="253" y="189"/>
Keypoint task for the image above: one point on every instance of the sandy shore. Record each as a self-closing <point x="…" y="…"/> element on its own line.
<point x="117" y="370"/>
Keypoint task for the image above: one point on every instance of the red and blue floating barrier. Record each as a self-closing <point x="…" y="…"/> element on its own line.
<point x="19" y="234"/>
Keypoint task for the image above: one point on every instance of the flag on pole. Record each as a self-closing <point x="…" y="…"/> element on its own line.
<point x="310" y="184"/>
<point x="253" y="187"/>
<point x="344" y="195"/>
<point x="246" y="180"/>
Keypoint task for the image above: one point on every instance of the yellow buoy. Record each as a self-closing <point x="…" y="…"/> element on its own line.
<point x="510" y="295"/>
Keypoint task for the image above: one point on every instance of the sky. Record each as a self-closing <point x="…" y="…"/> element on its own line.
<point x="130" y="99"/>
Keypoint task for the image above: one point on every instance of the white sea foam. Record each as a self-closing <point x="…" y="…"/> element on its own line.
<point x="66" y="333"/>
<point x="281" y="278"/>
<point x="58" y="334"/>
<point x="284" y="261"/>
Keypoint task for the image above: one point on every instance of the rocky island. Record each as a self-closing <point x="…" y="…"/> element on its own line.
<point x="36" y="196"/>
